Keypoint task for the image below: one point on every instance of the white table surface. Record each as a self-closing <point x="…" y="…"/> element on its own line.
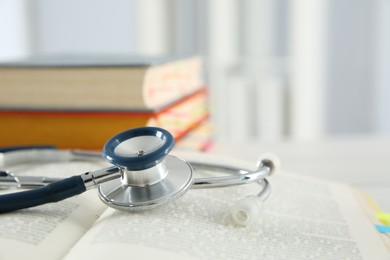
<point x="363" y="162"/>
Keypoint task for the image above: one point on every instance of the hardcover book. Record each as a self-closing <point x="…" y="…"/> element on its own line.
<point x="101" y="83"/>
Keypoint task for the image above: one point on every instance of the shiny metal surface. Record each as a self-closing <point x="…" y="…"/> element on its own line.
<point x="121" y="196"/>
<point x="234" y="176"/>
<point x="46" y="155"/>
<point x="145" y="177"/>
<point x="141" y="189"/>
<point x="237" y="176"/>
<point x="9" y="180"/>
<point x="17" y="157"/>
<point x="93" y="179"/>
<point x="265" y="191"/>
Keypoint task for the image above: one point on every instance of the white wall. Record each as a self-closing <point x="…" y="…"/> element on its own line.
<point x="15" y="30"/>
<point x="350" y="87"/>
<point x="381" y="91"/>
<point x="84" y="26"/>
<point x="156" y="32"/>
<point x="308" y="67"/>
<point x="340" y="60"/>
<point x="277" y="67"/>
<point x="247" y="69"/>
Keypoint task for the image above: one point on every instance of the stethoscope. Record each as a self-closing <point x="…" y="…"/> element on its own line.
<point x="143" y="175"/>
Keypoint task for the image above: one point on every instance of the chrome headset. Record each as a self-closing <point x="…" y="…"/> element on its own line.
<point x="143" y="175"/>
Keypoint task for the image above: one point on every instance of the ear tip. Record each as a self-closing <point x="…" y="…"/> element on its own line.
<point x="271" y="160"/>
<point x="246" y="211"/>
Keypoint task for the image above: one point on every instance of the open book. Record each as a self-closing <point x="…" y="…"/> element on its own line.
<point x="304" y="218"/>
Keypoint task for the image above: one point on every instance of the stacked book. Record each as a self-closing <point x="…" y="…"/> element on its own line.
<point x="80" y="103"/>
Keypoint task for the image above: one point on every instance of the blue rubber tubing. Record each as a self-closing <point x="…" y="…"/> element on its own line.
<point x="53" y="192"/>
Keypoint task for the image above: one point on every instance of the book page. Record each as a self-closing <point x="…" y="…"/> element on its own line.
<point x="303" y="219"/>
<point x="371" y="208"/>
<point x="49" y="231"/>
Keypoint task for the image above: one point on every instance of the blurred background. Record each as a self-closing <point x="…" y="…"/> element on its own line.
<point x="277" y="69"/>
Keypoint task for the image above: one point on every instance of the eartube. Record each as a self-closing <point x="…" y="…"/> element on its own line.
<point x="247" y="211"/>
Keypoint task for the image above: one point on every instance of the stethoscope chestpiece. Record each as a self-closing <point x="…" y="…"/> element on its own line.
<point x="139" y="148"/>
<point x="149" y="176"/>
<point x="143" y="176"/>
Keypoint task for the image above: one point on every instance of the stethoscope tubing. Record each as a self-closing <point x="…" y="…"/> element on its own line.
<point x="52" y="192"/>
<point x="237" y="176"/>
<point x="62" y="189"/>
